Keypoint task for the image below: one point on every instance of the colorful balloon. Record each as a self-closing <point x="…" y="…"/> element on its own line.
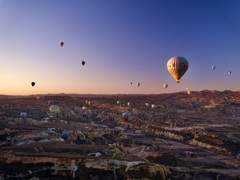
<point x="126" y="115"/>
<point x="54" y="109"/>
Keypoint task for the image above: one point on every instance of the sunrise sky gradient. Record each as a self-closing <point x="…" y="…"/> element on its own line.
<point x="121" y="41"/>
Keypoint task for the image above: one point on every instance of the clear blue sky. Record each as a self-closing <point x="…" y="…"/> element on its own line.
<point x="121" y="41"/>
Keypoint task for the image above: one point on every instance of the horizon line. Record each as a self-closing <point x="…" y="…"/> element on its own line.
<point x="85" y="94"/>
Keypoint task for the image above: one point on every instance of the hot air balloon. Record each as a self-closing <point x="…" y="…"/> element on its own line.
<point x="147" y="104"/>
<point x="33" y="84"/>
<point x="84" y="108"/>
<point x="177" y="66"/>
<point x="37" y="97"/>
<point x="118" y="102"/>
<point x="87" y="102"/>
<point x="165" y="86"/>
<point x="229" y="72"/>
<point x="131" y="82"/>
<point x="126" y="115"/>
<point x="54" y="109"/>
<point x="189" y="92"/>
<point x="153" y="106"/>
<point x="83" y="62"/>
<point x="65" y="135"/>
<point x="129" y="103"/>
<point x="213" y="67"/>
<point x="137" y="84"/>
<point x="23" y="115"/>
<point x="61" y="44"/>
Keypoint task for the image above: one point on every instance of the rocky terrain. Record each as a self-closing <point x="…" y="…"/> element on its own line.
<point x="194" y="136"/>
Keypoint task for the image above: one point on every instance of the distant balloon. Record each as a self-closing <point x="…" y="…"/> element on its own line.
<point x="134" y="111"/>
<point x="33" y="84"/>
<point x="126" y="115"/>
<point x="129" y="103"/>
<point x="177" y="66"/>
<point x="54" y="109"/>
<point x="88" y="102"/>
<point x="147" y="104"/>
<point x="61" y="44"/>
<point x="137" y="84"/>
<point x="229" y="72"/>
<point x="165" y="86"/>
<point x="213" y="67"/>
<point x="65" y="135"/>
<point x="153" y="106"/>
<point x="131" y="82"/>
<point x="23" y="115"/>
<point x="83" y="63"/>
<point x="37" y="97"/>
<point x="84" y="108"/>
<point x="118" y="102"/>
<point x="189" y="92"/>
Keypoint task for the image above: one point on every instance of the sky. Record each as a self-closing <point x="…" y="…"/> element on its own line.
<point x="121" y="42"/>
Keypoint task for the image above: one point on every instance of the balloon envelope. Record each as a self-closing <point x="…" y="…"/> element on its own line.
<point x="23" y="115"/>
<point x="137" y="84"/>
<point x="83" y="63"/>
<point x="61" y="44"/>
<point x="177" y="66"/>
<point x="54" y="109"/>
<point x="65" y="135"/>
<point x="165" y="86"/>
<point x="33" y="83"/>
<point x="126" y="115"/>
<point x="213" y="67"/>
